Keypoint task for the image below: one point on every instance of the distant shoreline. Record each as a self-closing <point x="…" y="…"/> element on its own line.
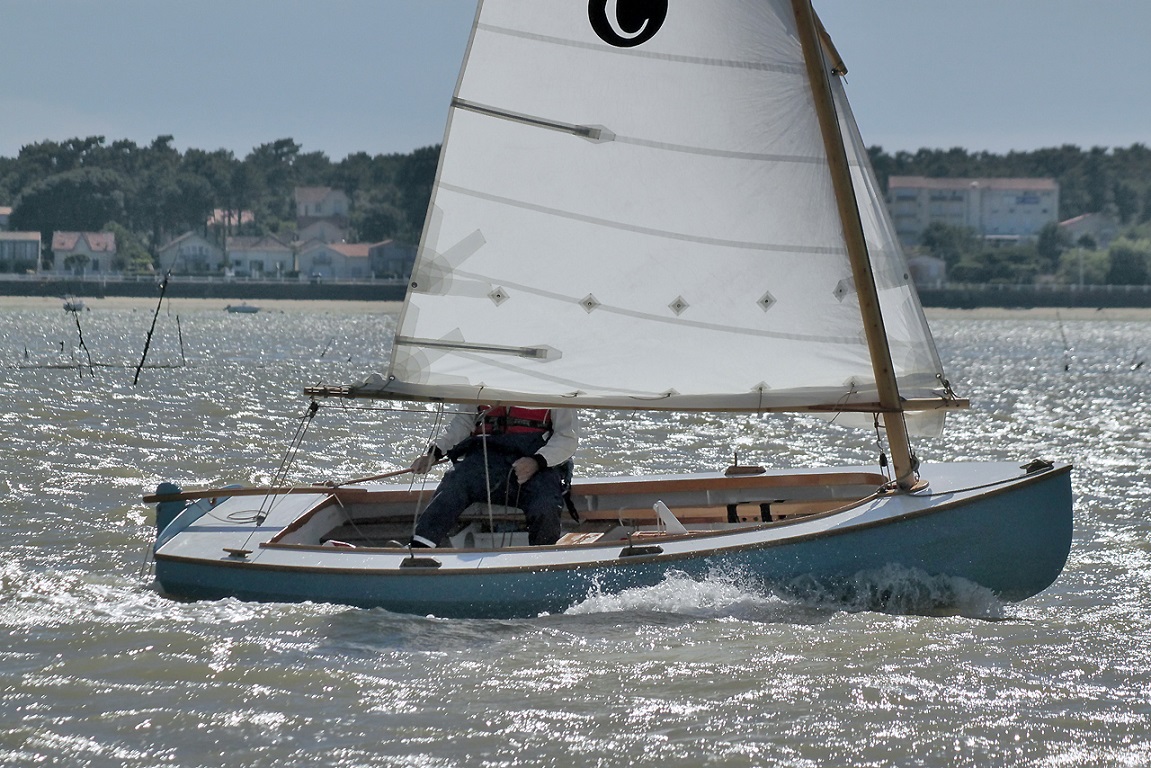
<point x="393" y="308"/>
<point x="1040" y="313"/>
<point x="177" y="303"/>
<point x="1067" y="299"/>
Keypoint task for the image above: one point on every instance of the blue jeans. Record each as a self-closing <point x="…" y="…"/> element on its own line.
<point x="467" y="482"/>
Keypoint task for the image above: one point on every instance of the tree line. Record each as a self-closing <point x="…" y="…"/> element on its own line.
<point x="150" y="194"/>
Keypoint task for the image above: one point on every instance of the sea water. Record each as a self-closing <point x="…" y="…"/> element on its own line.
<point x="97" y="669"/>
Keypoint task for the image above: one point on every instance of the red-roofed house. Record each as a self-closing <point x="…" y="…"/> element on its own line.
<point x="83" y="252"/>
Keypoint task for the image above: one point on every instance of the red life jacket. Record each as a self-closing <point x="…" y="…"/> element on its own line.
<point x="513" y="420"/>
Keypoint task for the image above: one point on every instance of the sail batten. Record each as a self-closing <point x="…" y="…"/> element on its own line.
<point x="585" y="131"/>
<point x="657" y="213"/>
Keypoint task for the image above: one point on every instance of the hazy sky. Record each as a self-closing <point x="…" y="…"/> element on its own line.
<point x="343" y="76"/>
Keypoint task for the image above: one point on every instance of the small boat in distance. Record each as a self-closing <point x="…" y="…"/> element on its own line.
<point x="242" y="309"/>
<point x="665" y="210"/>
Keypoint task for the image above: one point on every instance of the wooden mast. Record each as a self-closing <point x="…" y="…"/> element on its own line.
<point x="889" y="399"/>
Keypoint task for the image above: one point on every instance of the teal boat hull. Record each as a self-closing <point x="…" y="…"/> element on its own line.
<point x="1012" y="539"/>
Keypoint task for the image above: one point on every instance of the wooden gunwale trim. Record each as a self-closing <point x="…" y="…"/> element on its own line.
<point x="739" y="482"/>
<point x="345" y="493"/>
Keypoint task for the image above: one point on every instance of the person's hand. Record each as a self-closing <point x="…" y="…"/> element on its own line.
<point x="525" y="469"/>
<point x="423" y="463"/>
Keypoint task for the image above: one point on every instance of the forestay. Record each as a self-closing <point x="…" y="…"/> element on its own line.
<point x="637" y="212"/>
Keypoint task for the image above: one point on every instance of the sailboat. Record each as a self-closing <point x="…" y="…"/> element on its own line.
<point x="648" y="206"/>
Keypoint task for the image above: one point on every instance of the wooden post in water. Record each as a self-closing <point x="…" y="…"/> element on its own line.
<point x="889" y="400"/>
<point x="155" y="315"/>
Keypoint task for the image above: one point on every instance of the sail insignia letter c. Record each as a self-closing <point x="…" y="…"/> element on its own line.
<point x="627" y="23"/>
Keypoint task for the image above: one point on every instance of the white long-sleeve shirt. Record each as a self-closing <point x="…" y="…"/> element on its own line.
<point x="560" y="446"/>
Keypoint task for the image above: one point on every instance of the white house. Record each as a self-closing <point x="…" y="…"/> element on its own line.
<point x="323" y="230"/>
<point x="350" y="261"/>
<point x="191" y="253"/>
<point x="320" y="203"/>
<point x="20" y="252"/>
<point x="997" y="209"/>
<point x="265" y="256"/>
<point x="83" y="252"/>
<point x="321" y="214"/>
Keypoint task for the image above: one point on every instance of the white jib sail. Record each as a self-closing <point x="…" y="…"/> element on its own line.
<point x="633" y="209"/>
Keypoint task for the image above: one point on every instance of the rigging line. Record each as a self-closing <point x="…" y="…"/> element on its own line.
<point x="423" y="479"/>
<point x="953" y="491"/>
<point x="279" y="478"/>
<point x="301" y="426"/>
<point x="883" y="463"/>
<point x="487" y="469"/>
<point x="506" y="538"/>
<point x="294" y="448"/>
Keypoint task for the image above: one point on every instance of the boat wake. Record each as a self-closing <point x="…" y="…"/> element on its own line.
<point x="896" y="590"/>
<point x="715" y="596"/>
<point x="893" y="590"/>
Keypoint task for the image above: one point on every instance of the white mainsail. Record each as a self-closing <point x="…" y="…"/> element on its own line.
<point x="635" y="211"/>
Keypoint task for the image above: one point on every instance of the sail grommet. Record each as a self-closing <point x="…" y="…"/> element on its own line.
<point x="590" y="303"/>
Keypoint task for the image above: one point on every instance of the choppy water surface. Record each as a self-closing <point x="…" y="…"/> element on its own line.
<point x="98" y="670"/>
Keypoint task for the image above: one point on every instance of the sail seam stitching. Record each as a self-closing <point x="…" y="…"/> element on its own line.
<point x="720" y="152"/>
<point x="783" y="69"/>
<point x="808" y="250"/>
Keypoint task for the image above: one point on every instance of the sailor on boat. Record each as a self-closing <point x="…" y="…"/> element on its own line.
<point x="510" y="455"/>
